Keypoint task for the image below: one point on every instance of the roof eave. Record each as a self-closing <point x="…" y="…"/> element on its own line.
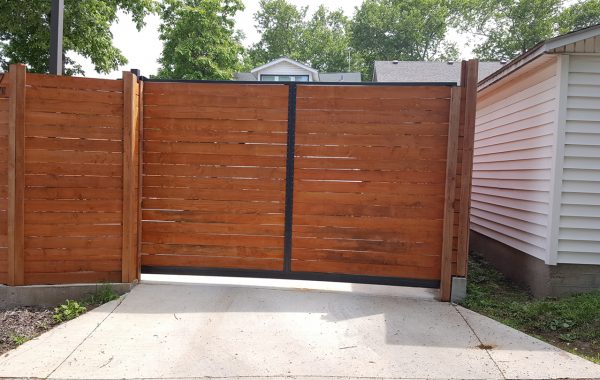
<point x="314" y="72"/>
<point x="513" y="65"/>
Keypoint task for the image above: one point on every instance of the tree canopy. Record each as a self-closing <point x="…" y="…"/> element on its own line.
<point x="280" y="25"/>
<point x="322" y="40"/>
<point x="25" y="32"/>
<point x="579" y="15"/>
<point x="410" y="30"/>
<point x="199" y="39"/>
<point x="510" y="27"/>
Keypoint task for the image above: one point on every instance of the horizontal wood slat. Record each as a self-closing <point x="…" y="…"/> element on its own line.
<point x="378" y="92"/>
<point x="60" y="82"/>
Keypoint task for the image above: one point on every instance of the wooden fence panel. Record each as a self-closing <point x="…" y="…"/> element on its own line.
<point x="3" y="178"/>
<point x="214" y="175"/>
<point x="381" y="179"/>
<point x="73" y="180"/>
<point x="370" y="180"/>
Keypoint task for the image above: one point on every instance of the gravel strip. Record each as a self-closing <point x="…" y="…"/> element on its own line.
<point x="22" y="324"/>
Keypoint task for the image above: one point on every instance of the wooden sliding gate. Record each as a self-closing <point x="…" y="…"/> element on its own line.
<point x="365" y="183"/>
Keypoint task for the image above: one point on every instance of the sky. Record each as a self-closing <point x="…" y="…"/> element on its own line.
<point x="143" y="48"/>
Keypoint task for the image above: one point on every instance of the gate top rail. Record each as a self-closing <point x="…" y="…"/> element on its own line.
<point x="284" y="83"/>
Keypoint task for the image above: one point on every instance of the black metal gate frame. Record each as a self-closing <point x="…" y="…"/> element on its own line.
<point x="287" y="272"/>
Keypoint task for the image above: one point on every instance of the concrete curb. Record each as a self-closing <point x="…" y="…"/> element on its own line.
<point x="51" y="295"/>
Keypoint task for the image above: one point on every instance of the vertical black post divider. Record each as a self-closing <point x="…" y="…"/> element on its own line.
<point x="289" y="179"/>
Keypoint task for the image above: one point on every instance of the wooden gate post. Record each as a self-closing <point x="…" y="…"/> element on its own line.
<point x="469" y="83"/>
<point x="131" y="162"/>
<point x="140" y="177"/>
<point x="16" y="174"/>
<point x="449" y="197"/>
<point x="462" y="116"/>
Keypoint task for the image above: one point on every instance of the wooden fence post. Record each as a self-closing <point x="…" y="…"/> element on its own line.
<point x="469" y="83"/>
<point x="449" y="197"/>
<point x="16" y="174"/>
<point x="130" y="177"/>
<point x="140" y="177"/>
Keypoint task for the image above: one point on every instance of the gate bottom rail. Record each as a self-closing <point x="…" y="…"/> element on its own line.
<point x="309" y="276"/>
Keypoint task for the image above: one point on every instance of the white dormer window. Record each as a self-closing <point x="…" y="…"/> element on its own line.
<point x="283" y="78"/>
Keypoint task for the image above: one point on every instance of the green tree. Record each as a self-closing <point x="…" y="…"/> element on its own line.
<point x="321" y="41"/>
<point x="199" y="39"/>
<point x="579" y="15"/>
<point x="511" y="27"/>
<point x="326" y="42"/>
<point x="515" y="26"/>
<point x="281" y="26"/>
<point x="411" y="30"/>
<point x="25" y="32"/>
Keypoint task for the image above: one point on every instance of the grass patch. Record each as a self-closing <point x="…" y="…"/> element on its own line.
<point x="104" y="293"/>
<point x="571" y="323"/>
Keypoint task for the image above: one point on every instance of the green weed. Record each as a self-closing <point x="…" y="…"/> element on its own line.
<point x="19" y="339"/>
<point x="68" y="310"/>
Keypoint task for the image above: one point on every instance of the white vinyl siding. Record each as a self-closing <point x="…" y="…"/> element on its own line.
<point x="579" y="226"/>
<point x="513" y="160"/>
<point x="284" y="68"/>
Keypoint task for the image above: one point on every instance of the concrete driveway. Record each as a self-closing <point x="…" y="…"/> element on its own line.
<point x="309" y="331"/>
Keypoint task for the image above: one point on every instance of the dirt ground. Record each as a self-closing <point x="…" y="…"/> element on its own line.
<point x="22" y="324"/>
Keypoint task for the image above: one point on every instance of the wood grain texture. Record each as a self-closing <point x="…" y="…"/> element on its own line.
<point x="16" y="163"/>
<point x="118" y="174"/>
<point x="470" y="89"/>
<point x="73" y="180"/>
<point x="140" y="173"/>
<point x="449" y="198"/>
<point x="213" y="183"/>
<point x="370" y="177"/>
<point x="4" y="105"/>
<point x="131" y="164"/>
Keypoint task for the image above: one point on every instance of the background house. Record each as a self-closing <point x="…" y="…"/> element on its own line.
<point x="536" y="180"/>
<point x="420" y="71"/>
<point x="286" y="70"/>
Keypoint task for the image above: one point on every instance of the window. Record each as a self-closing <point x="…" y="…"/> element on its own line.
<point x="284" y="78"/>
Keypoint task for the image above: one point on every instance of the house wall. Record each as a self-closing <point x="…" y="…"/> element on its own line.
<point x="284" y="68"/>
<point x="579" y="227"/>
<point x="588" y="45"/>
<point x="514" y="158"/>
